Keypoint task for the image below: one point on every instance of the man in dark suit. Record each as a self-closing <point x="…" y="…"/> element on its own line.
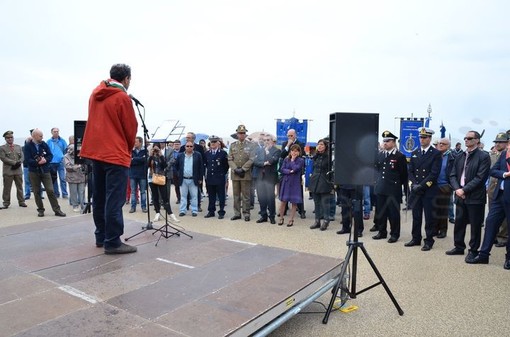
<point x="424" y="169"/>
<point x="190" y="170"/>
<point x="266" y="160"/>
<point x="392" y="168"/>
<point x="291" y="140"/>
<point x="468" y="177"/>
<point x="500" y="208"/>
<point x="216" y="168"/>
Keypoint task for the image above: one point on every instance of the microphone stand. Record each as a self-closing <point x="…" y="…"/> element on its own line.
<point x="148" y="226"/>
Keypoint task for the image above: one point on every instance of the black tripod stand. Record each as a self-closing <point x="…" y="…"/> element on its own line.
<point x="165" y="229"/>
<point x="352" y="252"/>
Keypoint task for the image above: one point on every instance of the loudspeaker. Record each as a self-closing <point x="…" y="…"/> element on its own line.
<point x="353" y="147"/>
<point x="79" y="131"/>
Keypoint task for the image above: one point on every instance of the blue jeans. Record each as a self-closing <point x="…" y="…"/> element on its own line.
<point x="110" y="184"/>
<point x="61" y="171"/>
<point x="27" y="182"/>
<point x="367" y="207"/>
<point x="188" y="186"/>
<point x="142" y="185"/>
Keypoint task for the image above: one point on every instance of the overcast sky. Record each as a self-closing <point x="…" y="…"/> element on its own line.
<point x="215" y="64"/>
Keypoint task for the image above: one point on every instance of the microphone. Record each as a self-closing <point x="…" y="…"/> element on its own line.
<point x="137" y="102"/>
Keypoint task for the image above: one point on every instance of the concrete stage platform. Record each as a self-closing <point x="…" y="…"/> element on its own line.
<point x="55" y="282"/>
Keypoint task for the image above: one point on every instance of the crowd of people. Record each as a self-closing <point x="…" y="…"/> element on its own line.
<point x="439" y="185"/>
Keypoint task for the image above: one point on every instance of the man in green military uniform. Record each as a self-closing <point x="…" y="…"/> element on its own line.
<point x="12" y="156"/>
<point x="240" y="160"/>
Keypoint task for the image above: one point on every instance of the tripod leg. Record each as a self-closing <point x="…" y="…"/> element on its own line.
<point x="379" y="276"/>
<point x="338" y="283"/>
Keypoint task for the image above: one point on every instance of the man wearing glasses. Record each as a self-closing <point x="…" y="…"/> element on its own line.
<point x="469" y="174"/>
<point x="424" y="169"/>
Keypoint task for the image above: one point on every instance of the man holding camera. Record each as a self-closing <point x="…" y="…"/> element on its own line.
<point x="241" y="155"/>
<point x="12" y="157"/>
<point x="39" y="156"/>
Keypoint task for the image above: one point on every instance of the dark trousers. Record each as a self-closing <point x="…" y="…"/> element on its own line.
<point x="110" y="183"/>
<point x="36" y="179"/>
<point x="157" y="191"/>
<point x="472" y="214"/>
<point x="351" y="208"/>
<point x="175" y="181"/>
<point x="216" y="191"/>
<point x="387" y="207"/>
<point x="265" y="194"/>
<point x="498" y="211"/>
<point x="423" y="204"/>
<point x="441" y="206"/>
<point x="322" y="206"/>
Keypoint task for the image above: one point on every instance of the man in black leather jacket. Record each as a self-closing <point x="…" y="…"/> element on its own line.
<point x="469" y="174"/>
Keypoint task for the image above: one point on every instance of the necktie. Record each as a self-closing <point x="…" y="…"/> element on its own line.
<point x="463" y="176"/>
<point x="422" y="152"/>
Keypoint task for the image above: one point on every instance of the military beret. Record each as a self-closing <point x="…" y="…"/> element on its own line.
<point x="387" y="135"/>
<point x="214" y="138"/>
<point x="501" y="137"/>
<point x="426" y="132"/>
<point x="8" y="133"/>
<point x="241" y="129"/>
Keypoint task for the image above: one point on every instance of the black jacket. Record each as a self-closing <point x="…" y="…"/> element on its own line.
<point x="424" y="169"/>
<point x="392" y="174"/>
<point x="319" y="182"/>
<point x="198" y="168"/>
<point x="32" y="154"/>
<point x="477" y="171"/>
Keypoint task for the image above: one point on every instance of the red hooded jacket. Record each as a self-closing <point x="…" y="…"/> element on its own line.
<point x="111" y="127"/>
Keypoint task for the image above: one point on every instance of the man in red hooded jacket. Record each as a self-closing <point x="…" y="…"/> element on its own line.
<point x="111" y="115"/>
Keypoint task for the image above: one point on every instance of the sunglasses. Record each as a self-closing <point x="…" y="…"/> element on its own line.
<point x="214" y="141"/>
<point x="189" y="145"/>
<point x="469" y="138"/>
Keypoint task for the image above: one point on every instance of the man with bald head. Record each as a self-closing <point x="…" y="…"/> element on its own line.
<point x="38" y="156"/>
<point x="443" y="197"/>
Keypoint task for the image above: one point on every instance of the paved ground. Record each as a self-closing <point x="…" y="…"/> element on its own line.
<point x="440" y="295"/>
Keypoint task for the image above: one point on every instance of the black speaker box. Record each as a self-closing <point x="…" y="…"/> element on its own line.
<point x="354" y="147"/>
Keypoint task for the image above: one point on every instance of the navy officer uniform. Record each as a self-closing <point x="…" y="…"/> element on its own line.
<point x="500" y="208"/>
<point x="424" y="168"/>
<point x="216" y="168"/>
<point x="392" y="178"/>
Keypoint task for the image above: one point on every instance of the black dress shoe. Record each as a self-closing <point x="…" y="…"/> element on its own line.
<point x="272" y="221"/>
<point x="60" y="213"/>
<point x="324" y="225"/>
<point x="412" y="243"/>
<point x="379" y="236"/>
<point x="235" y="217"/>
<point x="478" y="260"/>
<point x="247" y="218"/>
<point x="374" y="228"/>
<point x="470" y="257"/>
<point x="261" y="220"/>
<point x="343" y="231"/>
<point x="360" y="235"/>
<point x="455" y="251"/>
<point x="507" y="264"/>
<point x="441" y="235"/>
<point x="316" y="224"/>
<point x="221" y="216"/>
<point x="392" y="239"/>
<point x="209" y="215"/>
<point x="426" y="248"/>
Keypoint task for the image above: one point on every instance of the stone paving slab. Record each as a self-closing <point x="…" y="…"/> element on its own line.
<point x="55" y="282"/>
